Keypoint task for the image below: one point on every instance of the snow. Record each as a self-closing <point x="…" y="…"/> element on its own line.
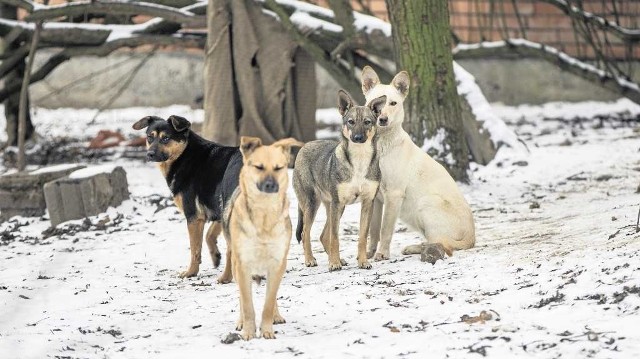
<point x="304" y="20"/>
<point x="54" y="168"/>
<point x="482" y="110"/>
<point x="552" y="275"/>
<point x="92" y="171"/>
<point x="563" y="57"/>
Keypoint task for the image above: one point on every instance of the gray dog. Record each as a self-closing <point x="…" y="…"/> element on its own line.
<point x="337" y="174"/>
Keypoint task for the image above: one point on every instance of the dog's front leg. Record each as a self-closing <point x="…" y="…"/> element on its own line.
<point x="247" y="321"/>
<point x="195" y="227"/>
<point x="392" y="204"/>
<point x="374" y="229"/>
<point x="274" y="277"/>
<point x="335" y="213"/>
<point x="365" y="218"/>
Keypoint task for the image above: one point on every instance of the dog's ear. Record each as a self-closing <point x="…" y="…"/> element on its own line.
<point x="145" y="122"/>
<point x="369" y="79"/>
<point x="180" y="124"/>
<point x="401" y="83"/>
<point x="377" y="104"/>
<point x="345" y="102"/>
<point x="287" y="143"/>
<point x="248" y="145"/>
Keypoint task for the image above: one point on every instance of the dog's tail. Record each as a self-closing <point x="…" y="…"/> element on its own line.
<point x="300" y="224"/>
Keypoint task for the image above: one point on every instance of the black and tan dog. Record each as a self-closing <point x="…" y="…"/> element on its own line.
<point x="337" y="174"/>
<point x="259" y="227"/>
<point x="201" y="175"/>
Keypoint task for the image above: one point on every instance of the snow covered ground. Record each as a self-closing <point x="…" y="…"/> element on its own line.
<point x="555" y="272"/>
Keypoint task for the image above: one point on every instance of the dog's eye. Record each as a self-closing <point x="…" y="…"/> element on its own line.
<point x="367" y="122"/>
<point x="164" y="140"/>
<point x="278" y="168"/>
<point x="392" y="103"/>
<point x="150" y="138"/>
<point x="351" y="122"/>
<point x="259" y="167"/>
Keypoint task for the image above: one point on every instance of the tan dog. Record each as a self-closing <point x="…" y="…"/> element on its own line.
<point x="258" y="225"/>
<point x="413" y="185"/>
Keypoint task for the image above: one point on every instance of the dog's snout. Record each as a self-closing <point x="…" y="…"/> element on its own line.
<point x="383" y="120"/>
<point x="358" y="138"/>
<point x="269" y="185"/>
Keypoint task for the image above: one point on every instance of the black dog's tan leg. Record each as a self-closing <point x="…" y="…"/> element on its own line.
<point x="274" y="277"/>
<point x="309" y="215"/>
<point x="335" y="213"/>
<point x="325" y="236"/>
<point x="212" y="242"/>
<point x="227" y="275"/>
<point x="365" y="218"/>
<point x="374" y="229"/>
<point x="195" y="227"/>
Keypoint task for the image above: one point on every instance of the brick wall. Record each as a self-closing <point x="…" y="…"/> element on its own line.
<point x="490" y="20"/>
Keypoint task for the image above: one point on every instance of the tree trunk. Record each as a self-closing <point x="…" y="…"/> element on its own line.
<point x="12" y="103"/>
<point x="422" y="39"/>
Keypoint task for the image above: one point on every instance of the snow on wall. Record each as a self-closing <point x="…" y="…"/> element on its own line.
<point x="500" y="133"/>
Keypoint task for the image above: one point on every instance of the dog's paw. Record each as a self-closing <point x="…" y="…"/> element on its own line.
<point x="343" y="262"/>
<point x="239" y="325"/>
<point x="248" y="334"/>
<point x="215" y="258"/>
<point x="224" y="279"/>
<point x="191" y="272"/>
<point x="379" y="256"/>
<point x="278" y="319"/>
<point x="267" y="333"/>
<point x="364" y="265"/>
<point x="311" y="262"/>
<point x="334" y="266"/>
<point x="371" y="253"/>
<point x="412" y="249"/>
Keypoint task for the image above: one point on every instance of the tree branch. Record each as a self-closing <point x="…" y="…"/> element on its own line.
<point x="9" y="63"/>
<point x="102" y="50"/>
<point x="565" y="62"/>
<point x="113" y="7"/>
<point x="625" y="34"/>
<point x="24" y="4"/>
<point x="338" y="72"/>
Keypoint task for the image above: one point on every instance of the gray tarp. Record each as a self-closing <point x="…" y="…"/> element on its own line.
<point x="257" y="81"/>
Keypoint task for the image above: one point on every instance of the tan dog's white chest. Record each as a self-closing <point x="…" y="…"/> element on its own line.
<point x="261" y="250"/>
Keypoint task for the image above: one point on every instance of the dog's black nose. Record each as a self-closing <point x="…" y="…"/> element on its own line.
<point x="150" y="156"/>
<point x="269" y="185"/>
<point x="383" y="120"/>
<point x="358" y="138"/>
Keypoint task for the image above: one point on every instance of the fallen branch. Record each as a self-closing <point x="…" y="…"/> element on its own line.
<point x="567" y="63"/>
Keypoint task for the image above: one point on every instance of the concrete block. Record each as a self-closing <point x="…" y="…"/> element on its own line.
<point x="86" y="192"/>
<point x="22" y="194"/>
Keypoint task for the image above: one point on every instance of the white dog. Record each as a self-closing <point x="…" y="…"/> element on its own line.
<point x="413" y="185"/>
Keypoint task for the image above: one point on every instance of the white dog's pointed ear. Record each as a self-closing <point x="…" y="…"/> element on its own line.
<point x="345" y="102"/>
<point x="369" y="79"/>
<point x="401" y="83"/>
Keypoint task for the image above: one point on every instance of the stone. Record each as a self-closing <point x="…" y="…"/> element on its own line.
<point x="84" y="193"/>
<point x="21" y="193"/>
